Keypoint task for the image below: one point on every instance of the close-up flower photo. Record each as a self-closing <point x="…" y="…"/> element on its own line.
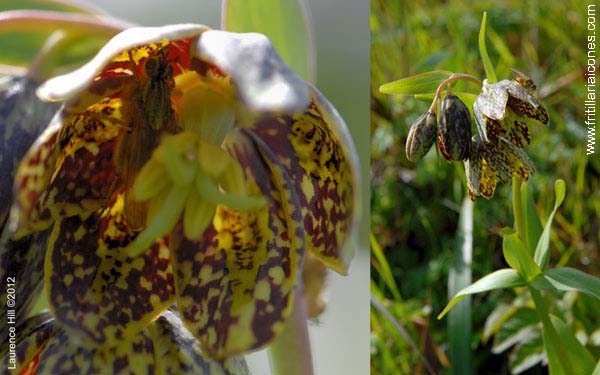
<point x="178" y="196"/>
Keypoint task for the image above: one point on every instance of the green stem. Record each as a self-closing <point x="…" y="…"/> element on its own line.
<point x="518" y="209"/>
<point x="452" y="78"/>
<point x="542" y="310"/>
<point x="290" y="351"/>
<point x="49" y="56"/>
<point x="48" y="21"/>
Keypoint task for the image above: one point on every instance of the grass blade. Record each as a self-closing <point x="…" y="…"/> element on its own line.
<point x="459" y="318"/>
<point x="401" y="330"/>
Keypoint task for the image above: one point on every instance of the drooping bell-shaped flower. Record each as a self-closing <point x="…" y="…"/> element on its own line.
<point x="187" y="165"/>
<point x="503" y="112"/>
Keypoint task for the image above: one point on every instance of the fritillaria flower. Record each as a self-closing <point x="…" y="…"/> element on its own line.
<point x="192" y="166"/>
<point x="502" y="113"/>
<point x="163" y="347"/>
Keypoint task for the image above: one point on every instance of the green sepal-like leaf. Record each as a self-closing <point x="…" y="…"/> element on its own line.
<point x="418" y="84"/>
<point x="503" y="278"/>
<point x="285" y="22"/>
<point x="566" y="279"/>
<point x="517" y="256"/>
<point x="542" y="249"/>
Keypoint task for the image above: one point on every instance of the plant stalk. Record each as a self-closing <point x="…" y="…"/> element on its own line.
<point x="518" y="209"/>
<point x="290" y="351"/>
<point x="48" y="21"/>
<point x="449" y="80"/>
<point x="542" y="310"/>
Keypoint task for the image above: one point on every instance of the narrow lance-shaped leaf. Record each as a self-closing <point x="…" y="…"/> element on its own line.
<point x="417" y="84"/>
<point x="503" y="278"/>
<point x="566" y="278"/>
<point x="542" y="249"/>
<point x="578" y="357"/>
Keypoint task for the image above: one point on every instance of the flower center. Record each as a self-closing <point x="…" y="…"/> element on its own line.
<point x="188" y="175"/>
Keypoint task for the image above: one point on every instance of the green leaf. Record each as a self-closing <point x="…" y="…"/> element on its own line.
<point x="533" y="226"/>
<point x="504" y="278"/>
<point x="579" y="357"/>
<point x="517" y="256"/>
<point x="285" y="22"/>
<point x="541" y="255"/>
<point x="19" y="48"/>
<point x="597" y="369"/>
<point x="418" y="84"/>
<point x="487" y="64"/>
<point x="566" y="279"/>
<point x="459" y="319"/>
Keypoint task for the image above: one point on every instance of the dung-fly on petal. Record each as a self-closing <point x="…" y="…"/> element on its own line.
<point x="524" y="100"/>
<point x="421" y="136"/>
<point x="68" y="86"/>
<point x="454" y="130"/>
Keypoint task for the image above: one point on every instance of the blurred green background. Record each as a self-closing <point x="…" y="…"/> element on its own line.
<point x="414" y="206"/>
<point x="340" y="338"/>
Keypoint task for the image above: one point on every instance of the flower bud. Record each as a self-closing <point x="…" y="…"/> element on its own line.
<point x="421" y="136"/>
<point x="454" y="132"/>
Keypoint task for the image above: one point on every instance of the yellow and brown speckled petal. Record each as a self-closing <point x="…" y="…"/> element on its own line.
<point x="316" y="151"/>
<point x="495" y="162"/>
<point x="235" y="285"/>
<point x="178" y="352"/>
<point x="32" y="336"/>
<point x="32" y="178"/>
<point x="94" y="290"/>
<point x="70" y="170"/>
<point x="481" y="179"/>
<point x="65" y="355"/>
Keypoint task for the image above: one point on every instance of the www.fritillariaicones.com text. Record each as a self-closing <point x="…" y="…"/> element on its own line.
<point x="590" y="98"/>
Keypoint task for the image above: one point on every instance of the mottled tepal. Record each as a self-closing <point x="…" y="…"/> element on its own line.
<point x="187" y="166"/>
<point x="503" y="112"/>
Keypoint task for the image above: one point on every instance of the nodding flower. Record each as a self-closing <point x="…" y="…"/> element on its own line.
<point x="187" y="166"/>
